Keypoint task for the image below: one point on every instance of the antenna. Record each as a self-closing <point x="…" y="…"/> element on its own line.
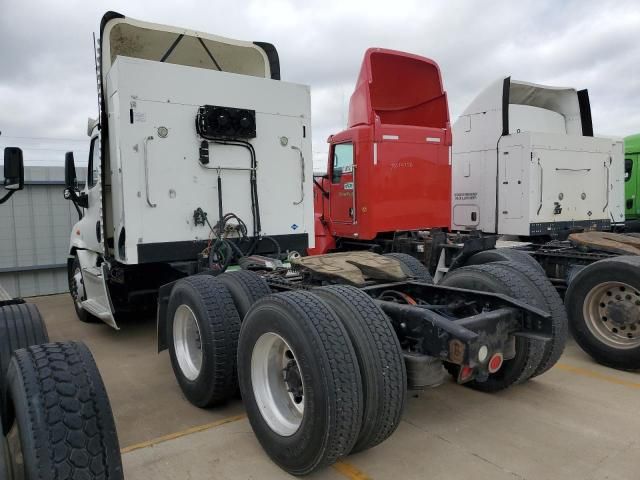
<point x="98" y="80"/>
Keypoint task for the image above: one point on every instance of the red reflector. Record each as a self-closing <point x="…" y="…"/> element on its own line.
<point x="465" y="373"/>
<point x="495" y="363"/>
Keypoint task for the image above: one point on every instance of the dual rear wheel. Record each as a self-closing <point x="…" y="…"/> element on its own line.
<point x="321" y="372"/>
<point x="522" y="281"/>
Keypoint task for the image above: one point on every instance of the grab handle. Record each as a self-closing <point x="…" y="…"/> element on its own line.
<point x="146" y="171"/>
<point x="302" y="176"/>
<point x="541" y="185"/>
<point x="608" y="175"/>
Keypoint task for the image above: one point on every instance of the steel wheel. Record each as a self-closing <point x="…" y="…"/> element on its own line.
<point x="15" y="458"/>
<point x="76" y="287"/>
<point x="612" y="314"/>
<point x="277" y="384"/>
<point x="187" y="342"/>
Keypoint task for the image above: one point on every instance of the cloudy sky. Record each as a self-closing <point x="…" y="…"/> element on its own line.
<point x="47" y="83"/>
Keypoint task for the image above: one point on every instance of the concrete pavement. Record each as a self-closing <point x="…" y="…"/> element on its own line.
<point x="578" y="421"/>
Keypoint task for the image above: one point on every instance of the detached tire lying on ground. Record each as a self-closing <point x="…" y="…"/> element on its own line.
<point x="380" y="359"/>
<point x="300" y="381"/>
<point x="603" y="305"/>
<point x="63" y="426"/>
<point x="202" y="328"/>
<point x="20" y="326"/>
<point x="500" y="278"/>
<point x="412" y="267"/>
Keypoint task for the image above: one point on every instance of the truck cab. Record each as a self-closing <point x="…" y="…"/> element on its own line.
<point x="526" y="163"/>
<point x="390" y="169"/>
<point x="193" y="133"/>
<point x="632" y="178"/>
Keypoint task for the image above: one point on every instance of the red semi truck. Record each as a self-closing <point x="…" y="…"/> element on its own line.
<point x="388" y="189"/>
<point x="390" y="170"/>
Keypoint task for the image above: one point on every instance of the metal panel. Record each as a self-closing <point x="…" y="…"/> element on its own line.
<point x="34" y="234"/>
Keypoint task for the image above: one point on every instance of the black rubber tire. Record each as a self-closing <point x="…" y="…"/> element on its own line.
<point x="624" y="269"/>
<point x="505" y="255"/>
<point x="81" y="313"/>
<point x="4" y="458"/>
<point x="498" y="278"/>
<point x="553" y="304"/>
<point x="412" y="267"/>
<point x="219" y="325"/>
<point x="246" y="288"/>
<point x="384" y="378"/>
<point x="63" y="414"/>
<point x="20" y="326"/>
<point x="329" y="367"/>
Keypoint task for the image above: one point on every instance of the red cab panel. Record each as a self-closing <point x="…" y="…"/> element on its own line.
<point x="390" y="170"/>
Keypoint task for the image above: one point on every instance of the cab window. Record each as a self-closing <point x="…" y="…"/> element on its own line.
<point x="94" y="163"/>
<point x="342" y="160"/>
<point x="628" y="169"/>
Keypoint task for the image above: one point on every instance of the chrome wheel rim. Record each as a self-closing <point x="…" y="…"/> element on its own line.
<point x="15" y="460"/>
<point x="612" y="313"/>
<point x="77" y="287"/>
<point x="187" y="342"/>
<point x="277" y="384"/>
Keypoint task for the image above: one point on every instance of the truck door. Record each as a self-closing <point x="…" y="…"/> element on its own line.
<point x="343" y="189"/>
<point x="91" y="223"/>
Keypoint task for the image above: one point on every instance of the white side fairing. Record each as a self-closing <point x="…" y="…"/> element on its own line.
<point x="525" y="163"/>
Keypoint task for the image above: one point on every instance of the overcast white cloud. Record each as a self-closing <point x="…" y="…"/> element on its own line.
<point x="47" y="83"/>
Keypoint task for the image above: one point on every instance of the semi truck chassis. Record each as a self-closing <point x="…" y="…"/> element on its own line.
<point x="604" y="314"/>
<point x="347" y="334"/>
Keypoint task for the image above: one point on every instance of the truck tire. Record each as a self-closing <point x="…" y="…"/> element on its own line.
<point x="202" y="328"/>
<point x="63" y="420"/>
<point x="76" y="289"/>
<point x="20" y="326"/>
<point x="382" y="369"/>
<point x="603" y="305"/>
<point x="553" y="304"/>
<point x="505" y="255"/>
<point x="498" y="278"/>
<point x="245" y="287"/>
<point x="300" y="381"/>
<point x="5" y="460"/>
<point x="412" y="267"/>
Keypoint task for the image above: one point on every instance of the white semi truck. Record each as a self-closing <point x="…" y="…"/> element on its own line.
<point x="526" y="164"/>
<point x="200" y="164"/>
<point x="527" y="167"/>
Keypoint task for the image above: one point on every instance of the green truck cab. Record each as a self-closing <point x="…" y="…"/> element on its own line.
<point x="632" y="176"/>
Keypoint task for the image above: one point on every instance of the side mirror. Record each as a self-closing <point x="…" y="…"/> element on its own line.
<point x="13" y="169"/>
<point x="70" y="180"/>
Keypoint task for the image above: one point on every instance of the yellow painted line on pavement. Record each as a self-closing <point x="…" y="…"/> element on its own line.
<point x="597" y="375"/>
<point x="182" y="433"/>
<point x="344" y="468"/>
<point x="350" y="471"/>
